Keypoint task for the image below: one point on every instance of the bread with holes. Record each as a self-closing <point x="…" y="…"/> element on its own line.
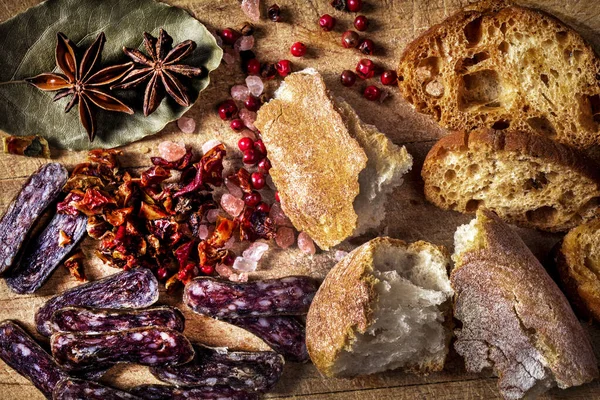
<point x="498" y="65"/>
<point x="578" y="264"/>
<point x="386" y="305"/>
<point x="514" y="319"/>
<point x="527" y="180"/>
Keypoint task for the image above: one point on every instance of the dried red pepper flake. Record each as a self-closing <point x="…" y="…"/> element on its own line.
<point x="97" y="227"/>
<point x="154" y="176"/>
<point x="75" y="266"/>
<point x="94" y="202"/>
<point x="151" y="212"/>
<point x="242" y="178"/>
<point x="182" y="253"/>
<point x="180" y="164"/>
<point x="67" y="206"/>
<point x="118" y="217"/>
<point x="106" y="157"/>
<point x="223" y="232"/>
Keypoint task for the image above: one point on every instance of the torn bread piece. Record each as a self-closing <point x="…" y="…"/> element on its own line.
<point x="386" y="305"/>
<point x="335" y="187"/>
<point x="515" y="320"/>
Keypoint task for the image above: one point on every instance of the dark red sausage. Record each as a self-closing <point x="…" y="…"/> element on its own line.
<point x="77" y="389"/>
<point x="164" y="392"/>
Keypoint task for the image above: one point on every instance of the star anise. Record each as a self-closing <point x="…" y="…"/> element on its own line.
<point x="160" y="68"/>
<point x="82" y="82"/>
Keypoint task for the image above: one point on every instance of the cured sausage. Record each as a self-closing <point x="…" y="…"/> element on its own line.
<point x="44" y="253"/>
<point x="77" y="389"/>
<point x="136" y="288"/>
<point x="220" y="299"/>
<point x="145" y="346"/>
<point x="24" y="355"/>
<point x="164" y="392"/>
<point x="249" y="371"/>
<point x="37" y="194"/>
<point x="79" y="319"/>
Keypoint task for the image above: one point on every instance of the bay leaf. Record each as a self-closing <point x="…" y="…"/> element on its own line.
<point x="27" y="48"/>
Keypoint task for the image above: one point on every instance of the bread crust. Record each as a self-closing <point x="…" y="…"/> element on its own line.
<point x="515" y="319"/>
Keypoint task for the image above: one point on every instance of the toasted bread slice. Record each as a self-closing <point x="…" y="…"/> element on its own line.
<point x="514" y="318"/>
<point x="383" y="306"/>
<point x="332" y="171"/>
<point x="527" y="180"/>
<point x="578" y="265"/>
<point x="499" y="65"/>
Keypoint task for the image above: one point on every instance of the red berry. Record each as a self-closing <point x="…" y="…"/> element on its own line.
<point x="237" y="124"/>
<point x="245" y="143"/>
<point x="348" y="78"/>
<point x="229" y="36"/>
<point x="263" y="207"/>
<point x="372" y="93"/>
<point x="366" y="46"/>
<point x="389" y="77"/>
<point x="350" y="39"/>
<point x="162" y="273"/>
<point x="250" y="157"/>
<point x="298" y="49"/>
<point x="259" y="146"/>
<point x="327" y="22"/>
<point x="258" y="180"/>
<point x="252" y="199"/>
<point x="207" y="269"/>
<point x="361" y="23"/>
<point x="227" y="109"/>
<point x="277" y="199"/>
<point x="252" y="103"/>
<point x="253" y="66"/>
<point x="283" y="67"/>
<point x="365" y="68"/>
<point x="264" y="165"/>
<point x="354" y="5"/>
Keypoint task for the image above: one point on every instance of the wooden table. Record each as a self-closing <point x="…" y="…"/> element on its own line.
<point x="409" y="217"/>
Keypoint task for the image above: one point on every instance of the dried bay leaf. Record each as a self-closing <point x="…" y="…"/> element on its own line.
<point x="27" y="48"/>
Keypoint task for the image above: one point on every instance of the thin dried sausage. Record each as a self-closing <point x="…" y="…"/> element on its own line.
<point x="164" y="392"/>
<point x="77" y="389"/>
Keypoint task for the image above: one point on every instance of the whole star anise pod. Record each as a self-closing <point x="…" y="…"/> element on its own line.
<point x="82" y="82"/>
<point x="160" y="69"/>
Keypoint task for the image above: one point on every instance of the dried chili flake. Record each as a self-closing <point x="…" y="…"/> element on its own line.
<point x="94" y="202"/>
<point x="118" y="217"/>
<point x="242" y="179"/>
<point x="180" y="164"/>
<point x="150" y="212"/>
<point x="154" y="176"/>
<point x="63" y="238"/>
<point x="97" y="227"/>
<point x="67" y="206"/>
<point x="75" y="266"/>
<point x="182" y="253"/>
<point x="106" y="157"/>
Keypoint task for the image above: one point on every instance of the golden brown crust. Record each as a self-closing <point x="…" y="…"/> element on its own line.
<point x="514" y="317"/>
<point x="315" y="161"/>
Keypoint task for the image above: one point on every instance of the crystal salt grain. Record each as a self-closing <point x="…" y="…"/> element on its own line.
<point x="240" y="92"/>
<point x="229" y="57"/>
<point x="232" y="205"/>
<point x="202" y="232"/>
<point x="255" y="251"/>
<point x="209" y="145"/>
<point x="306" y="244"/>
<point x="241" y="277"/>
<point x="244" y="264"/>
<point x="252" y="9"/>
<point x="278" y="216"/>
<point x="234" y="189"/>
<point x="285" y="237"/>
<point x="171" y="151"/>
<point x="248" y="118"/>
<point x="223" y="270"/>
<point x="339" y="254"/>
<point x="186" y="125"/>
<point x="211" y="215"/>
<point x="244" y="43"/>
<point x="255" y="85"/>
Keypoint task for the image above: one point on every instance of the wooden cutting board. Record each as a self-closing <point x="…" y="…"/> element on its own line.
<point x="394" y="23"/>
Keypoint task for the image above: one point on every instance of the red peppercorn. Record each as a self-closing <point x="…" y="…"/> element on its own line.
<point x="348" y="78"/>
<point x="229" y="36"/>
<point x="250" y="157"/>
<point x="207" y="269"/>
<point x="274" y="13"/>
<point x="372" y="93"/>
<point x="252" y="199"/>
<point x="354" y="5"/>
<point x="366" y="46"/>
<point x="277" y="199"/>
<point x="162" y="273"/>
<point x="298" y="49"/>
<point x="227" y="109"/>
<point x="350" y="39"/>
<point x="253" y="67"/>
<point x="283" y="67"/>
<point x="236" y="124"/>
<point x="327" y="22"/>
<point x="365" y="68"/>
<point x="259" y="146"/>
<point x="252" y="103"/>
<point x="245" y="143"/>
<point x="264" y="165"/>
<point x="258" y="180"/>
<point x="361" y="23"/>
<point x="389" y="77"/>
<point x="263" y="207"/>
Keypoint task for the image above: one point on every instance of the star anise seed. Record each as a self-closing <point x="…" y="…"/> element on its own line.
<point x="82" y="82"/>
<point x="160" y="68"/>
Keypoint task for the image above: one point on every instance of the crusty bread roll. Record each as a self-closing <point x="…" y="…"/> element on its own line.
<point x="498" y="65"/>
<point x="578" y="264"/>
<point x="332" y="171"/>
<point x="527" y="180"/>
<point x="384" y="306"/>
<point x="514" y="318"/>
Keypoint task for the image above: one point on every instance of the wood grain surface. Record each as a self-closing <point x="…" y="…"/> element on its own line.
<point x="394" y="23"/>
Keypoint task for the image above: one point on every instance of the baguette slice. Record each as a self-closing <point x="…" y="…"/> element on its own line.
<point x="527" y="180"/>
<point x="514" y="318"/>
<point x="332" y="171"/>
<point x="384" y="306"/>
<point x="578" y="265"/>
<point x="498" y="65"/>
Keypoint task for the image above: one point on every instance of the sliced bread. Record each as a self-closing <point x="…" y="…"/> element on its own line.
<point x="383" y="306"/>
<point x="498" y="65"/>
<point x="578" y="265"/>
<point x="527" y="180"/>
<point x="514" y="318"/>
